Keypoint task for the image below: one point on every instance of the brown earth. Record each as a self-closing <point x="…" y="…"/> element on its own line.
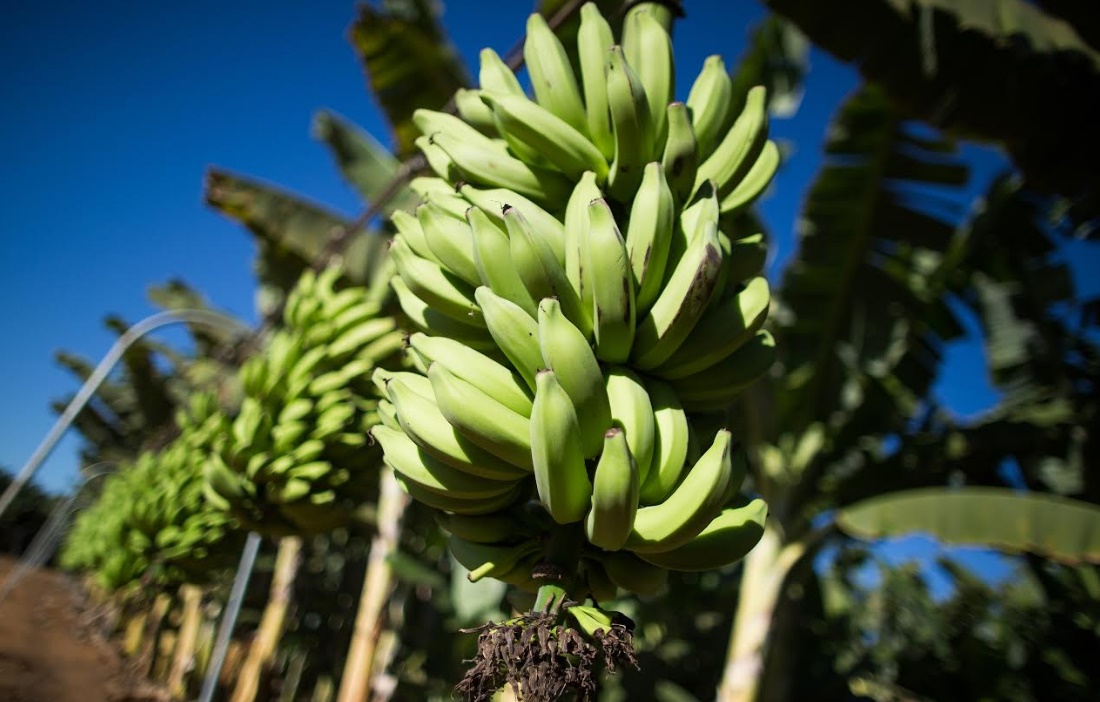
<point x="50" y="650"/>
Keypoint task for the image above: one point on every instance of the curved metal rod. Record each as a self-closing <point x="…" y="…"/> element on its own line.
<point x="201" y="317"/>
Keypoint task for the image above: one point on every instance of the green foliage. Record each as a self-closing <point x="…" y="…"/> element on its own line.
<point x="1054" y="527"/>
<point x="408" y="60"/>
<point x="291" y="235"/>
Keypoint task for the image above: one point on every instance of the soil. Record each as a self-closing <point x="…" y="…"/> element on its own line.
<point x="50" y="650"/>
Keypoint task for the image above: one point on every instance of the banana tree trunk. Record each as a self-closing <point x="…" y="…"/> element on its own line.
<point x="762" y="578"/>
<point x="135" y="631"/>
<point x="262" y="651"/>
<point x="148" y="654"/>
<point x="188" y="634"/>
<point x="377" y="586"/>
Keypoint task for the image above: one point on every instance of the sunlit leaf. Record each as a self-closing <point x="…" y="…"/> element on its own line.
<point x="1056" y="527"/>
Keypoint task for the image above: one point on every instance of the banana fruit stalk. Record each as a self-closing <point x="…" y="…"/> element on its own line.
<point x="574" y="302"/>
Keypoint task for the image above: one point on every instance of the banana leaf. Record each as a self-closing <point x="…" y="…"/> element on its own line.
<point x="291" y="232"/>
<point x="1018" y="288"/>
<point x="1061" y="529"/>
<point x="998" y="70"/>
<point x="778" y="58"/>
<point x="409" y="62"/>
<point x="862" y="314"/>
<point x="365" y="164"/>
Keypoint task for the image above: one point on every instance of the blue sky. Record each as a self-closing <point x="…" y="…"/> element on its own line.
<point x="114" y="110"/>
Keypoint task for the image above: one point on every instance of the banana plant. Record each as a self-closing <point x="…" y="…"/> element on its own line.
<point x="1018" y="73"/>
<point x="862" y="322"/>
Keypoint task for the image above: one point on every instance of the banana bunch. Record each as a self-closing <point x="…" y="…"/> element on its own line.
<point x="579" y="297"/>
<point x="99" y="541"/>
<point x="152" y="522"/>
<point x="183" y="537"/>
<point x="296" y="459"/>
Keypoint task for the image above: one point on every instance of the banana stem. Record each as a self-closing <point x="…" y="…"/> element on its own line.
<point x="550" y="597"/>
<point x="558" y="568"/>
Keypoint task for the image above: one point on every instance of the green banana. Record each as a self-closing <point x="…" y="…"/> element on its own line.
<point x="452" y="203"/>
<point x="438" y="159"/>
<point x="420" y="418"/>
<point x="286" y="435"/>
<point x="294" y="410"/>
<point x="425" y="318"/>
<point x="682" y="302"/>
<point x="680" y="160"/>
<point x="632" y="126"/>
<point x="632" y="409"/>
<point x="502" y="171"/>
<point x="612" y="286"/>
<point x="376" y="352"/>
<point x="699" y="213"/>
<point x="594" y="38"/>
<point x="727" y="539"/>
<point x="591" y="620"/>
<point x="495" y="75"/>
<point x="387" y="415"/>
<point x="649" y="236"/>
<point x="493" y="202"/>
<point x="481" y="419"/>
<point x="556" y="452"/>
<point x="551" y="75"/>
<point x="427" y="188"/>
<point x="710" y="103"/>
<point x="631" y="573"/>
<point x="470" y="108"/>
<point x="614" y="494"/>
<point x="717" y="386"/>
<point x="493" y="258"/>
<point x="458" y="505"/>
<point x="723" y="329"/>
<point x="741" y="146"/>
<point x="514" y="331"/>
<point x="411" y="232"/>
<point x="647" y="47"/>
<point x="449" y="240"/>
<point x="432" y="122"/>
<point x="755" y="181"/>
<point x="693" y="504"/>
<point x="489" y="560"/>
<point x="595" y="577"/>
<point x="747" y="257"/>
<point x="498" y="528"/>
<point x="576" y="240"/>
<point x="538" y="267"/>
<point x="416" y="466"/>
<point x="495" y="380"/>
<point x="565" y="351"/>
<point x="253" y="376"/>
<point x="436" y="286"/>
<point x="547" y="134"/>
<point x="356" y="339"/>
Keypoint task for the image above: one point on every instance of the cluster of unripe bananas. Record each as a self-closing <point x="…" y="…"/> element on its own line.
<point x="578" y="301"/>
<point x="297" y="458"/>
<point x="152" y="519"/>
